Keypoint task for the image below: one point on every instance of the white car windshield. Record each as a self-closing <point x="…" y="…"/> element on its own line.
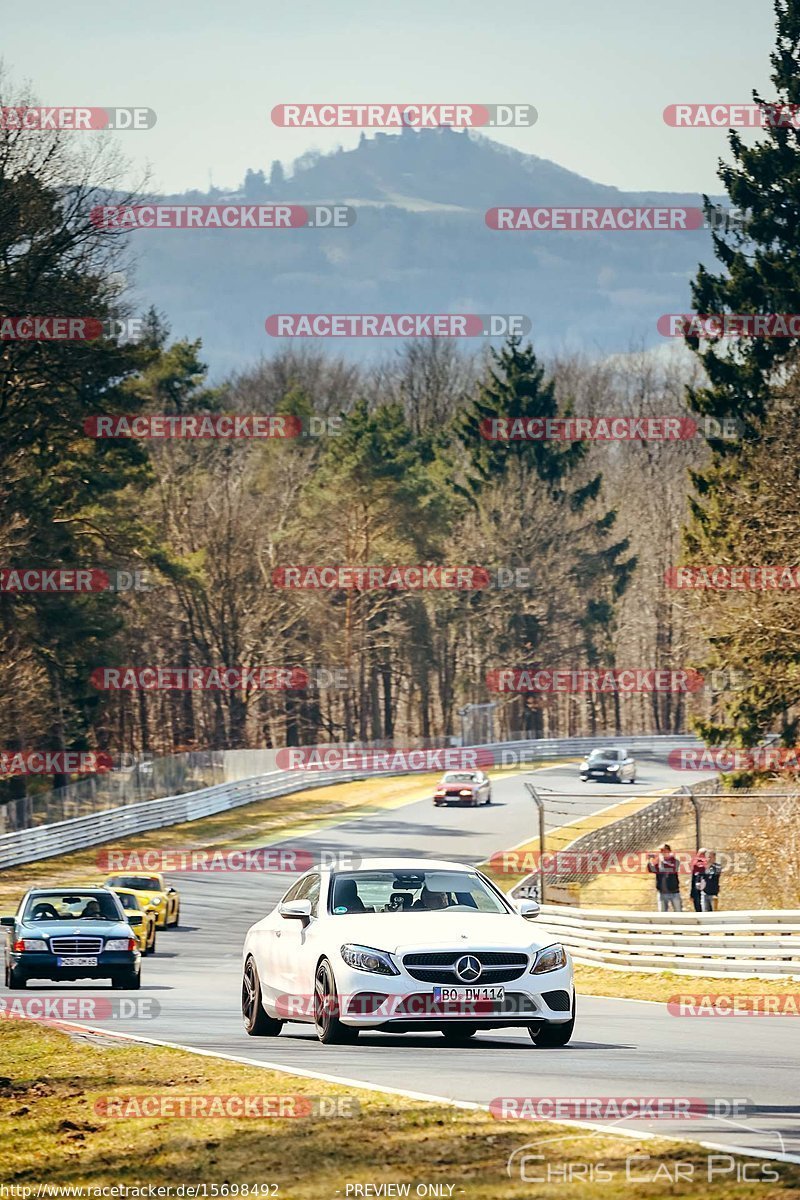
<point x="411" y="891"/>
<point x="605" y="755"/>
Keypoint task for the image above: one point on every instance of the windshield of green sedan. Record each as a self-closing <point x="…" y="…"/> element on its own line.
<point x="411" y="891"/>
<point x="72" y="906"/>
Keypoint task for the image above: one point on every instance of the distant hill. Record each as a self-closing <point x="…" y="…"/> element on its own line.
<point x="420" y="244"/>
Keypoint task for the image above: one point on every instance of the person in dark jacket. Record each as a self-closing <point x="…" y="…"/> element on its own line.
<point x="668" y="887"/>
<point x="711" y="890"/>
<point x="698" y="869"/>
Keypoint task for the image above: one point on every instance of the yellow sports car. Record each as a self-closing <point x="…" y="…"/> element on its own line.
<point x="153" y="895"/>
<point x="146" y="930"/>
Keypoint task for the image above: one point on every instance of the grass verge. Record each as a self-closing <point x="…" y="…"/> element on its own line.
<point x="665" y="985"/>
<point x="274" y="819"/>
<point x="52" y="1134"/>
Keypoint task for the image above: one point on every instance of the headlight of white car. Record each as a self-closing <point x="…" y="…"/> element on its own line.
<point x="549" y="959"/>
<point x="118" y="943"/>
<point x="33" y="944"/>
<point x="365" y="958"/>
<point x="613" y="768"/>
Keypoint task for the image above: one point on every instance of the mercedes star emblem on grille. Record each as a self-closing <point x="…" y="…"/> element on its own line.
<point x="467" y="968"/>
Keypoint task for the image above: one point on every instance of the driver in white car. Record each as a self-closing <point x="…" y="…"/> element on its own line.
<point x="430" y="900"/>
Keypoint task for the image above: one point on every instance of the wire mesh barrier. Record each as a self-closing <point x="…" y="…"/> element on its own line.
<point x="149" y="779"/>
<point x="139" y="781"/>
<point x="755" y="836"/>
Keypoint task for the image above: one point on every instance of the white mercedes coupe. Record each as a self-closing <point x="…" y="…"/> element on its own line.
<point x="400" y="945"/>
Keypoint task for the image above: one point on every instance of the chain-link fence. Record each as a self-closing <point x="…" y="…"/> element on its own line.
<point x="755" y="836"/>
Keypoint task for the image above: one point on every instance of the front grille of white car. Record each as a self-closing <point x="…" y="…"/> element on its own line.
<point x="439" y="966"/>
<point x="76" y="945"/>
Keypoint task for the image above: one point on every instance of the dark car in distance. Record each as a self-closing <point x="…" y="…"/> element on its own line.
<point x="610" y="764"/>
<point x="68" y="934"/>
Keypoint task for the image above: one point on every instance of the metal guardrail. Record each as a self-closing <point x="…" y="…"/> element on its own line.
<point x="46" y="841"/>
<point x="146" y="778"/>
<point x="94" y="828"/>
<point x="737" y="944"/>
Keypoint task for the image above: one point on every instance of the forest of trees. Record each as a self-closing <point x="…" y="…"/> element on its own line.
<point x="391" y="468"/>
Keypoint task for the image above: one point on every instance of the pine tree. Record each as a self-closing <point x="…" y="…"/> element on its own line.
<point x="749" y="379"/>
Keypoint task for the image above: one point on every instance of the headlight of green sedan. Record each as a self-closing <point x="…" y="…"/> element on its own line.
<point x="121" y="943"/>
<point x="549" y="959"/>
<point x="34" y="944"/>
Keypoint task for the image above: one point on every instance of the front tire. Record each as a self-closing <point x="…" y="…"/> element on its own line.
<point x="457" y="1034"/>
<point x="129" y="981"/>
<point x="551" y="1035"/>
<point x="256" y="1022"/>
<point x="330" y="1030"/>
<point x="16" y="980"/>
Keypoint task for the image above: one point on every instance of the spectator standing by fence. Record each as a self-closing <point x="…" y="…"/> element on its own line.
<point x="668" y="887"/>
<point x="698" y="869"/>
<point x="711" y="890"/>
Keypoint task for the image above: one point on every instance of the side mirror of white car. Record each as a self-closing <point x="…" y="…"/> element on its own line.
<point x="296" y="910"/>
<point x="529" y="909"/>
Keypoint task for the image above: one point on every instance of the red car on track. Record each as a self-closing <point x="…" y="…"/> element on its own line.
<point x="463" y="787"/>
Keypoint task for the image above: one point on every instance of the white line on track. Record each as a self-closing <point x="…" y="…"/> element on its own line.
<point x="280" y="1068"/>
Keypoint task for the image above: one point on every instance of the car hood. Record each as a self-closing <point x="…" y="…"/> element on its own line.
<point x="79" y="928"/>
<point x="405" y="932"/>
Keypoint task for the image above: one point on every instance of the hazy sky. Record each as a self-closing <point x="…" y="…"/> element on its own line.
<point x="600" y="72"/>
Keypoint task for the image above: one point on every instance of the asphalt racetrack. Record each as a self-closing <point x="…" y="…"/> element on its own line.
<point x="620" y="1047"/>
